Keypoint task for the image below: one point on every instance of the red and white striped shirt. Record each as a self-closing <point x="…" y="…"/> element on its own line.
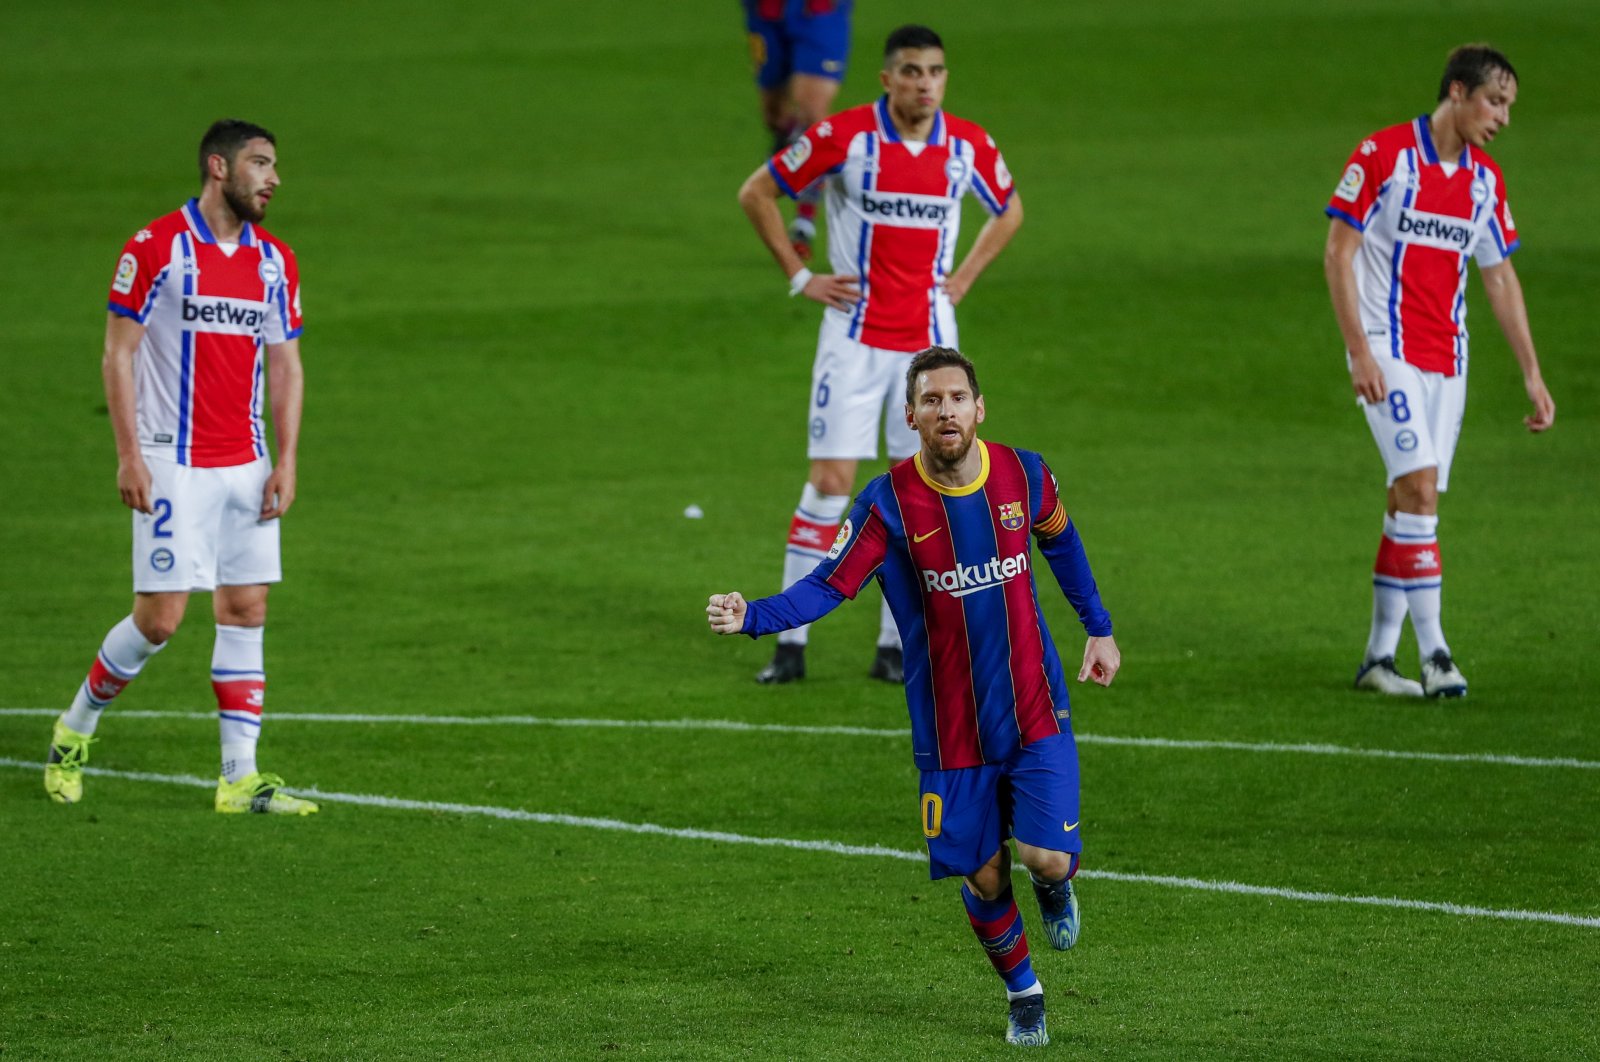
<point x="894" y="210"/>
<point x="208" y="314"/>
<point x="1421" y="217"/>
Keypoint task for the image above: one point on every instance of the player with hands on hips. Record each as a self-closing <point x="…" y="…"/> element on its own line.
<point x="948" y="534"/>
<point x="1416" y="201"/>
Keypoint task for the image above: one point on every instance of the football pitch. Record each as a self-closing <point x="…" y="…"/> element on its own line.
<point x="559" y="818"/>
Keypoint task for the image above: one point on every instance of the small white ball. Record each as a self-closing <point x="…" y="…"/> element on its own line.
<point x="693" y="512"/>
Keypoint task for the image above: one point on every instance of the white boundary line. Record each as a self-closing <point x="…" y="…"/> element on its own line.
<point x="861" y="731"/>
<point x="839" y="848"/>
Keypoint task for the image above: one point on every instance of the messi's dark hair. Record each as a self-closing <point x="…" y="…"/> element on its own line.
<point x="1473" y="65"/>
<point x="226" y="138"/>
<point x="938" y="358"/>
<point x="912" y="36"/>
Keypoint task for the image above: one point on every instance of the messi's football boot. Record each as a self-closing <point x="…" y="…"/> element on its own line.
<point x="1381" y="675"/>
<point x="1058" y="905"/>
<point x="889" y="665"/>
<point x="788" y="664"/>
<point x="63" y="768"/>
<point x="1025" y="1025"/>
<point x="1441" y="677"/>
<point x="260" y="794"/>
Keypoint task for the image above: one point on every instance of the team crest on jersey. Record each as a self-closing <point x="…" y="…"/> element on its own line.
<point x="1350" y="184"/>
<point x="955" y="168"/>
<point x="1011" y="517"/>
<point x="1002" y="175"/>
<point x="840" y="539"/>
<point x="1480" y="191"/>
<point x="797" y="154"/>
<point x="127" y="269"/>
<point x="271" y="272"/>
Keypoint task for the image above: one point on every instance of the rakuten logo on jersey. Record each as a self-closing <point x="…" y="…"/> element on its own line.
<point x="1436" y="230"/>
<point x="239" y="317"/>
<point x="966" y="579"/>
<point x="907" y="209"/>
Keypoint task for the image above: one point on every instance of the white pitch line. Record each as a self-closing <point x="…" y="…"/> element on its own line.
<point x="1504" y="760"/>
<point x="840" y="848"/>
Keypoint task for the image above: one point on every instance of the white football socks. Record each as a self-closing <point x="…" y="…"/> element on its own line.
<point x="122" y="656"/>
<point x="811" y="533"/>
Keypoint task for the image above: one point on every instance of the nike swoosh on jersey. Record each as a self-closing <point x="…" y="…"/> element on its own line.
<point x="1068" y="827"/>
<point x="930" y="534"/>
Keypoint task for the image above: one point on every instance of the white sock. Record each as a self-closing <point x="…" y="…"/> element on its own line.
<point x="1035" y="989"/>
<point x="811" y="533"/>
<point x="1425" y="602"/>
<point x="122" y="656"/>
<point x="238" y="677"/>
<point x="1388" y="607"/>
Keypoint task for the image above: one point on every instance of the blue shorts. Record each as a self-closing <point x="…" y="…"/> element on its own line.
<point x="798" y="42"/>
<point x="968" y="812"/>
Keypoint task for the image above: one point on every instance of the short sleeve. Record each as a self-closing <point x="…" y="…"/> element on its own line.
<point x="991" y="180"/>
<point x="1357" y="191"/>
<point x="817" y="152"/>
<point x="139" y="275"/>
<point x="283" y="321"/>
<point x="1501" y="239"/>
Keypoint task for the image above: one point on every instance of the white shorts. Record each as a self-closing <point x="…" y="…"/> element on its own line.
<point x="206" y="529"/>
<point x="853" y="388"/>
<point x="1419" y="421"/>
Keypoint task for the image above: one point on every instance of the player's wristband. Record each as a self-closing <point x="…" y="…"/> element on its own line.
<point x="798" y="282"/>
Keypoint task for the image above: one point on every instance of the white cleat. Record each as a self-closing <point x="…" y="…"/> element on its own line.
<point x="1381" y="675"/>
<point x="1441" y="677"/>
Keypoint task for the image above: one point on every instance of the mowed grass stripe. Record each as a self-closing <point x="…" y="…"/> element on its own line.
<point x="734" y="725"/>
<point x="840" y="848"/>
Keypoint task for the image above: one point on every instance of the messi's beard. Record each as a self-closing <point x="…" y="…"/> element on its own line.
<point x="244" y="207"/>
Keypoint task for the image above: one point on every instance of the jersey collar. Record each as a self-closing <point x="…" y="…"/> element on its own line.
<point x="202" y="231"/>
<point x="957" y="492"/>
<point x="197" y="221"/>
<point x="1430" y="154"/>
<point x="890" y="134"/>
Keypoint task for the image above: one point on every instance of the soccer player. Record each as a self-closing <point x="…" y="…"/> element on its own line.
<point x="799" y="49"/>
<point x="1415" y="202"/>
<point x="895" y="172"/>
<point x="948" y="536"/>
<point x="204" y="324"/>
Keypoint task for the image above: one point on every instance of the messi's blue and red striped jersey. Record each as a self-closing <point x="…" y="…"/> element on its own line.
<point x="982" y="674"/>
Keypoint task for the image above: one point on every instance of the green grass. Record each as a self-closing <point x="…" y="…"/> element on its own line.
<point x="539" y="328"/>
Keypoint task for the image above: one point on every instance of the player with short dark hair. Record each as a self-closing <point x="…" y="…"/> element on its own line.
<point x="894" y="174"/>
<point x="948" y="534"/>
<point x="800" y="49"/>
<point x="203" y="328"/>
<point x="1416" y="201"/>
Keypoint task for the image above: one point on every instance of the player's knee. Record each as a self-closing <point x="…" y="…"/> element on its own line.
<point x="158" y="627"/>
<point x="1047" y="865"/>
<point x="987" y="884"/>
<point x="833" y="478"/>
<point x="1418" y="492"/>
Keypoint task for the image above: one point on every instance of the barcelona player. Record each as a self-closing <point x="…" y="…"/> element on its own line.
<point x="203" y="330"/>
<point x="948" y="534"/>
<point x="800" y="49"/>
